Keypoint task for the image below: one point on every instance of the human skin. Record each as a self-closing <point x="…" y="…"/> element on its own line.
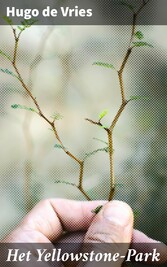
<point x="48" y="220"/>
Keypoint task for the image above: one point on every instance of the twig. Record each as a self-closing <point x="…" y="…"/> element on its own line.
<point x="121" y="109"/>
<point x="124" y="102"/>
<point x="41" y="114"/>
<point x="111" y="158"/>
<point x="109" y="130"/>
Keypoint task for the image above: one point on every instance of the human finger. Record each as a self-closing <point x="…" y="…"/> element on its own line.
<point x="110" y="232"/>
<point x="48" y="219"/>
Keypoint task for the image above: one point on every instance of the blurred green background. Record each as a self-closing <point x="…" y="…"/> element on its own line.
<point x="56" y="63"/>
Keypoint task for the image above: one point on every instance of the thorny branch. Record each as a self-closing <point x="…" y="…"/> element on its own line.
<point x="42" y="115"/>
<point x="109" y="130"/>
<point x="123" y="104"/>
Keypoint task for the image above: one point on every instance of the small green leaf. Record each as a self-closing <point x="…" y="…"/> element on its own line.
<point x="87" y="155"/>
<point x="97" y="210"/>
<point x="8" y="20"/>
<point x="138" y="44"/>
<point x="28" y="22"/>
<point x="138" y="97"/>
<point x="5" y="55"/>
<point x="21" y="28"/>
<point x="103" y="114"/>
<point x="63" y="182"/>
<point x="57" y="116"/>
<point x="139" y="35"/>
<point x="16" y="106"/>
<point x="8" y="72"/>
<point x="59" y="146"/>
<point x="127" y="5"/>
<point x="106" y="65"/>
<point x="97" y="139"/>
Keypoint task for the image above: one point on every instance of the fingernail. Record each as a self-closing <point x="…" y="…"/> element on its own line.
<point x="117" y="212"/>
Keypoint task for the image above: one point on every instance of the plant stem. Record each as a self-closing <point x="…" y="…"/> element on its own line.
<point x="80" y="186"/>
<point x="15" y="50"/>
<point x="81" y="174"/>
<point x="122" y="106"/>
<point x="121" y="109"/>
<point x="84" y="193"/>
<point x="120" y="74"/>
<point x="133" y="29"/>
<point x="111" y="151"/>
<point x="98" y="123"/>
<point x="51" y="123"/>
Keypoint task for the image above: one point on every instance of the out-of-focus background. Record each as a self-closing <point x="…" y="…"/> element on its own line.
<point x="56" y="63"/>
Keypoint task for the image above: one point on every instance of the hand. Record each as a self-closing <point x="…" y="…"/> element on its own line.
<point x="113" y="224"/>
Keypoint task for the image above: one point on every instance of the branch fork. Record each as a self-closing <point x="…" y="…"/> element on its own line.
<point x="109" y="130"/>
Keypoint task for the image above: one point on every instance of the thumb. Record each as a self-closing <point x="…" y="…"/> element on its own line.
<point x="114" y="225"/>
